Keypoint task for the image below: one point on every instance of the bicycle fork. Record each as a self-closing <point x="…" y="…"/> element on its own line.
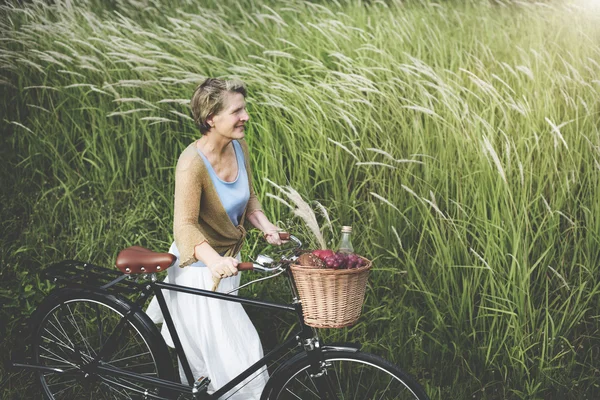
<point x="319" y="370"/>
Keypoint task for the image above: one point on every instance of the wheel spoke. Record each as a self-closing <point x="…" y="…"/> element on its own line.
<point x="129" y="357"/>
<point x="293" y="394"/>
<point x="307" y="388"/>
<point x="131" y="367"/>
<point x="368" y="391"/>
<point x="76" y="326"/>
<point x="70" y="336"/>
<point x="60" y="329"/>
<point x="54" y="359"/>
<point x="358" y="384"/>
<point x="88" y="358"/>
<point x="58" y="341"/>
<point x="125" y="348"/>
<point x="125" y="395"/>
<point x="62" y="390"/>
<point x="62" y="383"/>
<point x="338" y="381"/>
<point x="386" y="389"/>
<point x="312" y="381"/>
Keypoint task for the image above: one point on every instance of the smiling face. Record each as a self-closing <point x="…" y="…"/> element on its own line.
<point x="230" y="121"/>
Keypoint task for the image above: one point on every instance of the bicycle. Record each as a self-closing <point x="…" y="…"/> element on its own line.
<point x="90" y="341"/>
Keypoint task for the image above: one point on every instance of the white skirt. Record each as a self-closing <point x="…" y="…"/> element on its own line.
<point x="218" y="338"/>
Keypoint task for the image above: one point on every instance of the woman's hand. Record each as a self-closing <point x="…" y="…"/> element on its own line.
<point x="272" y="236"/>
<point x="271" y="232"/>
<point x="224" y="267"/>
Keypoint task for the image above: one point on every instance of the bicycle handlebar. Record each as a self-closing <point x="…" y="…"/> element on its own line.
<point x="248" y="266"/>
<point x="245" y="266"/>
<point x="284" y="235"/>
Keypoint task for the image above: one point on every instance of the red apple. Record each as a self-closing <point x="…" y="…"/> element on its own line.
<point x="323" y="254"/>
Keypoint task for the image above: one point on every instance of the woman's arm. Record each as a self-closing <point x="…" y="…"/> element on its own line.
<point x="188" y="192"/>
<point x="260" y="221"/>
<point x="191" y="243"/>
<point x="219" y="266"/>
<point x="255" y="215"/>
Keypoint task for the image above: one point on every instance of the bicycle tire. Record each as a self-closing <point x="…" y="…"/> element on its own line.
<point x="354" y="375"/>
<point x="68" y="329"/>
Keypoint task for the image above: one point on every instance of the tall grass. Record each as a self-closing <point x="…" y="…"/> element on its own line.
<point x="461" y="141"/>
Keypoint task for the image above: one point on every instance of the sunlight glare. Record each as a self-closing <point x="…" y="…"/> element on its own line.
<point x="591" y="5"/>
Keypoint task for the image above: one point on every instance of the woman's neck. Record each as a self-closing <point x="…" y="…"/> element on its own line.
<point x="213" y="144"/>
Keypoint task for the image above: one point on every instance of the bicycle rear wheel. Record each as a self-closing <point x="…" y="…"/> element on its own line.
<point x="350" y="375"/>
<point x="69" y="330"/>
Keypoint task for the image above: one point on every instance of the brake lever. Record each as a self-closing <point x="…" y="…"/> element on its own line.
<point x="289" y="249"/>
<point x="297" y="241"/>
<point x="263" y="262"/>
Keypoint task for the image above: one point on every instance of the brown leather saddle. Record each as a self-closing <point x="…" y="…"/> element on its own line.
<point x="139" y="260"/>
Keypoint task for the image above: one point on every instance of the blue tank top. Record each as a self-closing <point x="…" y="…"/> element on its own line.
<point x="234" y="195"/>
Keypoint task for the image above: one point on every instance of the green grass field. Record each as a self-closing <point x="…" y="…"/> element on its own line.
<point x="460" y="139"/>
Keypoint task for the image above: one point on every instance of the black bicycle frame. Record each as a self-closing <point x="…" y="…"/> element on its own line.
<point x="155" y="287"/>
<point x="78" y="274"/>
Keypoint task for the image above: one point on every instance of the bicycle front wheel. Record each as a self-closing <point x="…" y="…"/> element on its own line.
<point x="349" y="375"/>
<point x="73" y="325"/>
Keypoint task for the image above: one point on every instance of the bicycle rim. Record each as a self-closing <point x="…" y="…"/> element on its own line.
<point x="71" y="334"/>
<point x="351" y="376"/>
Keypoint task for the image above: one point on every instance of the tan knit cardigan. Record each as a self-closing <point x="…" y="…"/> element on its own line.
<point x="199" y="213"/>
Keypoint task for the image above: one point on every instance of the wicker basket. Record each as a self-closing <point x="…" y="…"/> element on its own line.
<point x="331" y="298"/>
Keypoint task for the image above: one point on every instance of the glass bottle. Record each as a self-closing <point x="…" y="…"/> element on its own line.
<point x="346" y="242"/>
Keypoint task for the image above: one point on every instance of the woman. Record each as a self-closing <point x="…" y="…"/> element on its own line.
<point x="213" y="200"/>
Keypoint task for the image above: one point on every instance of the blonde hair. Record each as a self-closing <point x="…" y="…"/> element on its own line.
<point x="209" y="98"/>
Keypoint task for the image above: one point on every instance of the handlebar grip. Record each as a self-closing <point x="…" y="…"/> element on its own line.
<point x="284" y="235"/>
<point x="245" y="266"/>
